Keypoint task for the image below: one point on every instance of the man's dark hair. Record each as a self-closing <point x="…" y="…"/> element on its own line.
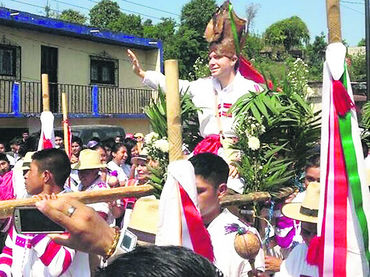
<point x="56" y="161"/>
<point x="77" y="140"/>
<point x="3" y="157"/>
<point x="109" y="142"/>
<point x="160" y="261"/>
<point x="129" y="143"/>
<point x="314" y="161"/>
<point x="58" y="134"/>
<point x="210" y="167"/>
<point x="117" y="146"/>
<point x="16" y="141"/>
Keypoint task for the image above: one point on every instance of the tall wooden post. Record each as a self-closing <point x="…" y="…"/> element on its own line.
<point x="45" y="92"/>
<point x="333" y="18"/>
<point x="173" y="110"/>
<point x="65" y="122"/>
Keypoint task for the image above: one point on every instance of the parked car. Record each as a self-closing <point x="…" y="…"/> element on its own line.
<point x="86" y="132"/>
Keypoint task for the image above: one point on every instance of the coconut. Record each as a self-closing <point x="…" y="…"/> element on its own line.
<point x="247" y="245"/>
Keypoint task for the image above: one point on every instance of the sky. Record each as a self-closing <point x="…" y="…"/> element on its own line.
<point x="312" y="12"/>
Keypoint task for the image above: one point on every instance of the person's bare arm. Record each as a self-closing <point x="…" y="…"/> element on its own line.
<point x="84" y="235"/>
<point x="136" y="67"/>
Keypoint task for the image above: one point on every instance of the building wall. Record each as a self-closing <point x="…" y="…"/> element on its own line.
<point x="74" y="56"/>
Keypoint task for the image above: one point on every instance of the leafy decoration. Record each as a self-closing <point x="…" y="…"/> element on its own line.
<point x="156" y="112"/>
<point x="277" y="132"/>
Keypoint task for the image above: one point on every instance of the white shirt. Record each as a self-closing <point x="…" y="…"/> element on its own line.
<point x="226" y="258"/>
<point x="101" y="207"/>
<point x="202" y="92"/>
<point x="121" y="174"/>
<point x="296" y="265"/>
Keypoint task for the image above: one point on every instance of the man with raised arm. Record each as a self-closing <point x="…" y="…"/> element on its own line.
<point x="216" y="94"/>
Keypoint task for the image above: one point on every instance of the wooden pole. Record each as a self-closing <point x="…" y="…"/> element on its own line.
<point x="65" y="122"/>
<point x="7" y="207"/>
<point x="173" y="110"/>
<point x="333" y="18"/>
<point x="45" y="92"/>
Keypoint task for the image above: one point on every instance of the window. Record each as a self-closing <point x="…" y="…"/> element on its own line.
<point x="8" y="65"/>
<point x="103" y="71"/>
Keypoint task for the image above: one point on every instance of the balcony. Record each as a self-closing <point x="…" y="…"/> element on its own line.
<point x="24" y="99"/>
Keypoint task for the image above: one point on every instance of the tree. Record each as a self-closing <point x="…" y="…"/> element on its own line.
<point x="290" y="32"/>
<point x="316" y="56"/>
<point x="197" y="13"/>
<point x="189" y="41"/>
<point x="357" y="67"/>
<point x="104" y="13"/>
<point x="362" y="42"/>
<point x="164" y="30"/>
<point x="73" y="16"/>
<point x="253" y="46"/>
<point x="251" y="12"/>
<point x="127" y="23"/>
<point x="184" y="47"/>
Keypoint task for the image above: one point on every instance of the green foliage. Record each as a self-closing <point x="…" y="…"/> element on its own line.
<point x="104" y="13"/>
<point x="297" y="77"/>
<point x="186" y="48"/>
<point x="156" y="112"/>
<point x="365" y="122"/>
<point x="362" y="42"/>
<point x="290" y="32"/>
<point x="73" y="16"/>
<point x="200" y="69"/>
<point x="128" y="24"/>
<point x="271" y="69"/>
<point x="189" y="43"/>
<point x="357" y="69"/>
<point x="316" y="57"/>
<point x="164" y="31"/>
<point x="277" y="131"/>
<point x="253" y="46"/>
<point x="196" y="14"/>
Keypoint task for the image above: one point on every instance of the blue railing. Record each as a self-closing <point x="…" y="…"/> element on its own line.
<point x="23" y="99"/>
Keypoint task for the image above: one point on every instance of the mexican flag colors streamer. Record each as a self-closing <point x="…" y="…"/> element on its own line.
<point x="344" y="212"/>
<point x="180" y="222"/>
<point x="47" y="139"/>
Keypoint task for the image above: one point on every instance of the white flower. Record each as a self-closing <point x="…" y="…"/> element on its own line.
<point x="162" y="145"/>
<point x="263" y="129"/>
<point x="253" y="143"/>
<point x="151" y="137"/>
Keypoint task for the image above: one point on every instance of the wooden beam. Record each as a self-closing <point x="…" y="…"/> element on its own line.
<point x="333" y="18"/>
<point x="45" y="92"/>
<point x="173" y="110"/>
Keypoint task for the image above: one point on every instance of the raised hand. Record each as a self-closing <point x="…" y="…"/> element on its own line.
<point x="136" y="67"/>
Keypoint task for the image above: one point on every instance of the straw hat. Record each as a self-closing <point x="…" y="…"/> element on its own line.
<point x="307" y="210"/>
<point x="89" y="159"/>
<point x="144" y="220"/>
<point x="141" y="157"/>
<point x="27" y="160"/>
<point x="139" y="135"/>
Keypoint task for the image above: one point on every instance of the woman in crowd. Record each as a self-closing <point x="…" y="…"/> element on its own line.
<point x="119" y="154"/>
<point x="132" y="151"/>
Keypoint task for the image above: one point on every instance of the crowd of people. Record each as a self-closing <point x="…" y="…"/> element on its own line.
<point x="117" y="238"/>
<point x="93" y="227"/>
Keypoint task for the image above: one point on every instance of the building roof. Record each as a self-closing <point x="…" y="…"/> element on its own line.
<point x="20" y="19"/>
